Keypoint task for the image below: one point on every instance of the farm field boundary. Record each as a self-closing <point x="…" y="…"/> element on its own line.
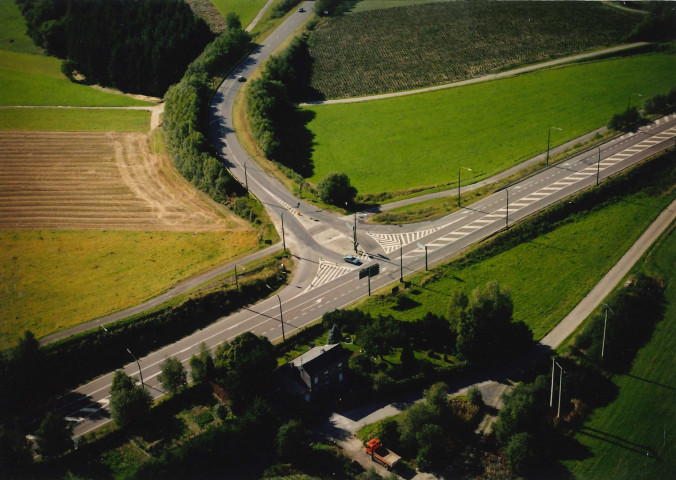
<point x="393" y="145"/>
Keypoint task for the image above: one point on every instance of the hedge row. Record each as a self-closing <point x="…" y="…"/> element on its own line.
<point x="186" y="113"/>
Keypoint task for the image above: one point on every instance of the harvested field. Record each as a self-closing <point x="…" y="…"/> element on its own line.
<point x="98" y="181"/>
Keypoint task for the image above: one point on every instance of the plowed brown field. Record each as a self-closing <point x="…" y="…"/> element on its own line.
<point x="98" y="181"/>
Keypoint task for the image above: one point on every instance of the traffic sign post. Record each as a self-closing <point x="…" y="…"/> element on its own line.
<point x="369" y="272"/>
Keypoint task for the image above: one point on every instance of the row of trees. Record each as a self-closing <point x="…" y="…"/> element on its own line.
<point x="186" y="110"/>
<point x="479" y="328"/>
<point x="631" y="118"/>
<point x="141" y="46"/>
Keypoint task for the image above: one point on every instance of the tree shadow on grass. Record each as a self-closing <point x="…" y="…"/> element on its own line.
<point x="298" y="146"/>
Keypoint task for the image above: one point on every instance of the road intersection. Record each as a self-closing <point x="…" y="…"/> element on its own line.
<point x="318" y="239"/>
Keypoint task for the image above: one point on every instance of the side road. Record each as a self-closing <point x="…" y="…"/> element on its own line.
<point x="341" y="427"/>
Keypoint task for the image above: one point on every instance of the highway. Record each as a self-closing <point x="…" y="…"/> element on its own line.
<point x="318" y="239"/>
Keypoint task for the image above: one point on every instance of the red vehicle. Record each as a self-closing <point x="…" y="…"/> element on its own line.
<point x="380" y="454"/>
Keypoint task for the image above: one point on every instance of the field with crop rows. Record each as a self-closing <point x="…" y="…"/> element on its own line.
<point x="86" y="180"/>
<point x="416" y="46"/>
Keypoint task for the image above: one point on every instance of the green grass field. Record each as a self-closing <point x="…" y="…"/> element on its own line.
<point x="56" y="279"/>
<point x="246" y="9"/>
<point x="368" y="5"/>
<point x="415" y="46"/>
<point x="74" y="120"/>
<point x="547" y="276"/>
<point x="421" y="140"/>
<point x="37" y="80"/>
<point x="13" y="30"/>
<point x="643" y="416"/>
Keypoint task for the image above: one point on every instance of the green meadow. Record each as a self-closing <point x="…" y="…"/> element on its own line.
<point x="37" y="80"/>
<point x="246" y="9"/>
<point x="643" y="416"/>
<point x="74" y="119"/>
<point x="13" y="30"/>
<point x="422" y="140"/>
<point x="53" y="280"/>
<point x="548" y="275"/>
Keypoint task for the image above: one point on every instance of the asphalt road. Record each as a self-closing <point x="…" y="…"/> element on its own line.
<point x="318" y="240"/>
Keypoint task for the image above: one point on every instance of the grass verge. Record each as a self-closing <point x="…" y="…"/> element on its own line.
<point x="37" y="80"/>
<point x="422" y="140"/>
<point x="247" y="9"/>
<point x="643" y="416"/>
<point x="549" y="274"/>
<point x="74" y="120"/>
<point x="53" y="280"/>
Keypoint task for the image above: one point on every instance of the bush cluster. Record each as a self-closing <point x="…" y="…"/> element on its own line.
<point x="185" y="115"/>
<point x="141" y="46"/>
<point x="280" y="9"/>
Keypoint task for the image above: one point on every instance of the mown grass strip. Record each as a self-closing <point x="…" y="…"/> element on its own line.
<point x="422" y="140"/>
<point x="548" y="274"/>
<point x="74" y="120"/>
<point x="246" y="9"/>
<point x="643" y="416"/>
<point x="37" y="80"/>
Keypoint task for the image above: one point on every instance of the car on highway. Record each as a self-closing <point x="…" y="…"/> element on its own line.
<point x="352" y="259"/>
<point x="240" y="78"/>
<point x="301" y="10"/>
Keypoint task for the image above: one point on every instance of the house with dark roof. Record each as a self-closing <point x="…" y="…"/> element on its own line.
<point x="321" y="370"/>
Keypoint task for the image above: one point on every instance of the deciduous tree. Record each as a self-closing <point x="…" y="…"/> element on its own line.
<point x="129" y="403"/>
<point x="173" y="376"/>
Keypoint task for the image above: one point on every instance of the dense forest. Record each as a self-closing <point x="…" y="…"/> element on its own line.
<point x="139" y="46"/>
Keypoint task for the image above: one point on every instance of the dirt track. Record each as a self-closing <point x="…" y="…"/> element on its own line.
<point x="97" y="181"/>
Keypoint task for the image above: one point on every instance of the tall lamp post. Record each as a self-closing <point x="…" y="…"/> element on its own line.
<point x="507" y="212"/>
<point x="459" y="181"/>
<point x="246" y="179"/>
<point x="598" y="166"/>
<point x="139" y="368"/>
<point x="281" y="318"/>
<point x="549" y="136"/>
<point x="629" y="99"/>
<point x="558" y="412"/>
<point x="605" y="322"/>
<point x="401" y="261"/>
<point x="281" y="215"/>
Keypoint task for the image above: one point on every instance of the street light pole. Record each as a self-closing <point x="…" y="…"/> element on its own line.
<point x="459" y="181"/>
<point x="558" y="413"/>
<point x="246" y="178"/>
<point x="401" y="261"/>
<point x="507" y="213"/>
<point x="605" y="322"/>
<point x="551" y="394"/>
<point x="281" y="317"/>
<point x="281" y="215"/>
<point x="598" y="166"/>
<point x="549" y="136"/>
<point x="139" y="368"/>
<point x="236" y="281"/>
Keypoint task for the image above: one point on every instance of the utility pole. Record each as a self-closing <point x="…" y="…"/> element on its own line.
<point x="401" y="261"/>
<point x="605" y="322"/>
<point x="558" y="413"/>
<point x="281" y="318"/>
<point x="236" y="281"/>
<point x="139" y="368"/>
<point x="459" y="181"/>
<point x="551" y="394"/>
<point x="507" y="213"/>
<point x="598" y="166"/>
<point x="281" y="215"/>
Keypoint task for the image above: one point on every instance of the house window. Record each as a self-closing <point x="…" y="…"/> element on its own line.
<point x="340" y="377"/>
<point x="340" y="364"/>
<point x="316" y="380"/>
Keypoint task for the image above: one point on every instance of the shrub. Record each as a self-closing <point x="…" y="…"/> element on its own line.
<point x="336" y="189"/>
<point x="475" y="397"/>
<point x="520" y="452"/>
